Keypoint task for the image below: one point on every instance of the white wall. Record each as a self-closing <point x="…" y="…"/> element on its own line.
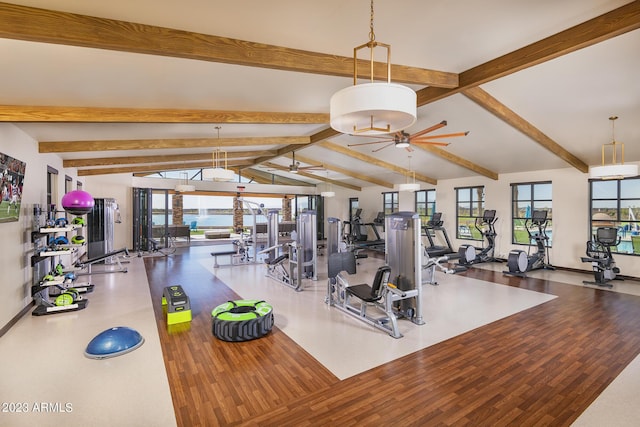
<point x="570" y="212"/>
<point x="15" y="262"/>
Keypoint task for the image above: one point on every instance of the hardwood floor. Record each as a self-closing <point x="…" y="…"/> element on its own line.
<point x="542" y="366"/>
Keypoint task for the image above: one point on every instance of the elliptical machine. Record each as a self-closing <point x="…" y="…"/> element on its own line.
<point x="485" y="226"/>
<point x="519" y="262"/>
<point x="599" y="255"/>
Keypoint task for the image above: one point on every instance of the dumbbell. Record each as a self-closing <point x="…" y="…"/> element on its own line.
<point x="68" y="297"/>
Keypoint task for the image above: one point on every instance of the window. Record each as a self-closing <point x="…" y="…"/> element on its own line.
<point x="78" y="185"/>
<point x="425" y="204"/>
<point x="616" y="203"/>
<point x="68" y="184"/>
<point x="353" y="207"/>
<point x="470" y="205"/>
<point x="52" y="185"/>
<point x="390" y="202"/>
<point x="525" y="198"/>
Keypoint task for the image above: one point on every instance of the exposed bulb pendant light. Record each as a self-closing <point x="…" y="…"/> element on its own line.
<point x="410" y="186"/>
<point x="184" y="185"/>
<point x="614" y="170"/>
<point x="219" y="160"/>
<point x="372" y="108"/>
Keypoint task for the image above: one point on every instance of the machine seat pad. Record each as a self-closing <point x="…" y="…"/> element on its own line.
<point x="276" y="261"/>
<point x="363" y="292"/>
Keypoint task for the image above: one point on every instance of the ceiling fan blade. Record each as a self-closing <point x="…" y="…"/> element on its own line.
<point x="409" y="149"/>
<point x="311" y="168"/>
<point x="369" y="143"/>
<point x="448" y="135"/>
<point x="382" y="148"/>
<point x="439" y="144"/>
<point x="431" y="129"/>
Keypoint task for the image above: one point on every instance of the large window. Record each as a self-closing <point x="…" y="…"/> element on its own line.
<point x="390" y="202"/>
<point x="470" y="205"/>
<point x="616" y="203"/>
<point x="52" y="186"/>
<point x="425" y="204"/>
<point x="68" y="184"/>
<point x="527" y="197"/>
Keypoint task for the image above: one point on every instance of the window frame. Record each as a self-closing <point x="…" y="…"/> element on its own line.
<point x="426" y="208"/>
<point x="471" y="233"/>
<point x="394" y="206"/>
<point x="534" y="204"/>
<point x="618" y="221"/>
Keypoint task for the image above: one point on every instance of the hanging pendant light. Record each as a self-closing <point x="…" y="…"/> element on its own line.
<point x="328" y="192"/>
<point x="184" y="185"/>
<point x="372" y="108"/>
<point x="614" y="170"/>
<point x="219" y="172"/>
<point x="410" y="186"/>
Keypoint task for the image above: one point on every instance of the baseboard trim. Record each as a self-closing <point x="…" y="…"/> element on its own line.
<point x="15" y="319"/>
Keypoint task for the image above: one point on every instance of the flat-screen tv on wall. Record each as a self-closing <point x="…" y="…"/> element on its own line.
<point x="11" y="182"/>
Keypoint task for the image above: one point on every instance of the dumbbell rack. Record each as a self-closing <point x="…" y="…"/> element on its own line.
<point x="44" y="260"/>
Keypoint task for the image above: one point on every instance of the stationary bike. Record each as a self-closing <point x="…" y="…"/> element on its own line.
<point x="519" y="262"/>
<point x="599" y="255"/>
<point x="485" y="226"/>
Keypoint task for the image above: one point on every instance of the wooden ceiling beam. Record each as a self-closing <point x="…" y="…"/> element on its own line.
<point x="312" y="176"/>
<point x="44" y="26"/>
<point x="55" y="114"/>
<point x="489" y="103"/>
<point x="450" y="157"/>
<point x="313" y="139"/>
<point x="263" y="177"/>
<point x="347" y="172"/>
<point x="604" y="27"/>
<point x="108" y="161"/>
<point x="376" y="162"/>
<point x="146" y="144"/>
<point x="152" y="168"/>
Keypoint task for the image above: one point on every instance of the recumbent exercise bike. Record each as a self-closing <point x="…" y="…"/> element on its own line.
<point x="599" y="255"/>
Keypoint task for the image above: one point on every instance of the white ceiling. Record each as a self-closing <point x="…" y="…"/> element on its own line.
<point x="569" y="98"/>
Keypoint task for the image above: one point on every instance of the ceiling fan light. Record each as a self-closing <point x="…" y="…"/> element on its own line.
<point x="373" y="109"/>
<point x="402" y="143"/>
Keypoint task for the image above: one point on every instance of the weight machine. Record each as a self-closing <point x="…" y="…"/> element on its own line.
<point x="600" y="257"/>
<point x="300" y="256"/>
<point x="395" y="296"/>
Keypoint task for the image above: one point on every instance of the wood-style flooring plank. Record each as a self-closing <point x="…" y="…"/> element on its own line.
<point x="542" y="366"/>
<point x="220" y="383"/>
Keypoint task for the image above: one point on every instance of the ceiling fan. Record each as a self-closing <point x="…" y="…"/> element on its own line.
<point x="403" y="139"/>
<point x="295" y="167"/>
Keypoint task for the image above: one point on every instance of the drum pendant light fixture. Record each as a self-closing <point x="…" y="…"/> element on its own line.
<point x="410" y="185"/>
<point x="219" y="171"/>
<point x="184" y="186"/>
<point x="372" y="108"/>
<point x="614" y="170"/>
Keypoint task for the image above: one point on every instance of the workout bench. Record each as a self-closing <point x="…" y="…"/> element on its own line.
<point x="178" y="305"/>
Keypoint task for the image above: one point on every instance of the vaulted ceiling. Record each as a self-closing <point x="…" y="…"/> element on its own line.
<point x="139" y="87"/>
